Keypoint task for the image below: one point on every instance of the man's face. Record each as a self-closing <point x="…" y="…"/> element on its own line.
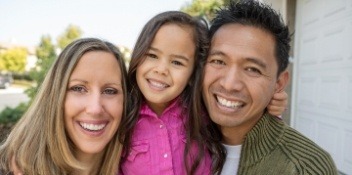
<point x="240" y="76"/>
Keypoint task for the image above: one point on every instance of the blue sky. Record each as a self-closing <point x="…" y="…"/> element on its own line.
<point x="23" y="22"/>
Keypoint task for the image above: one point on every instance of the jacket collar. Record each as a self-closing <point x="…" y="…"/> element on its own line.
<point x="262" y="139"/>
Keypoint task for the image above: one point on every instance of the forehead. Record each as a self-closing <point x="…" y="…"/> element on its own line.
<point x="243" y="41"/>
<point x="175" y="27"/>
<point x="175" y="39"/>
<point x="97" y="63"/>
<point x="175" y="32"/>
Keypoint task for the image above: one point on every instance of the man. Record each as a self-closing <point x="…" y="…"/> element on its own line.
<point x="246" y="65"/>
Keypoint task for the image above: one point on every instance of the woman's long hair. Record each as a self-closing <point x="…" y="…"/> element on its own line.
<point x="38" y="142"/>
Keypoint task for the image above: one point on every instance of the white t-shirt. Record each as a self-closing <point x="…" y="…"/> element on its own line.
<point x="232" y="159"/>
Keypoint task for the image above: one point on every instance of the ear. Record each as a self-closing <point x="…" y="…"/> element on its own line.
<point x="282" y="81"/>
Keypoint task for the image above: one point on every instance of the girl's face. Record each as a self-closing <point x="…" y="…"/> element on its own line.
<point x="94" y="102"/>
<point x="168" y="65"/>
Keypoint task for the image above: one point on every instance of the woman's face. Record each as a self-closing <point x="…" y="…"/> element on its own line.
<point x="94" y="102"/>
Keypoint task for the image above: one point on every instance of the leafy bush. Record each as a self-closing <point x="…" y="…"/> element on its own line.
<point x="22" y="76"/>
<point x="11" y="115"/>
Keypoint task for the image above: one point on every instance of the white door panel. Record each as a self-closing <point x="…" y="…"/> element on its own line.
<point x="323" y="76"/>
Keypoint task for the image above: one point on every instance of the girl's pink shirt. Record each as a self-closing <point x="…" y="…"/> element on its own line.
<point x="158" y="144"/>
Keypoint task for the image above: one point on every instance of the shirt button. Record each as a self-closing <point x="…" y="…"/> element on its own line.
<point x="161" y="126"/>
<point x="165" y="155"/>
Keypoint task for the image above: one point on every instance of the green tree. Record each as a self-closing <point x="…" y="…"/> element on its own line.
<point x="46" y="55"/>
<point x="203" y="8"/>
<point x="14" y="60"/>
<point x="71" y="33"/>
<point x="228" y="1"/>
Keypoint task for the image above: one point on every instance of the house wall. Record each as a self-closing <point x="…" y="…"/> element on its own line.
<point x="321" y="67"/>
<point x="322" y="84"/>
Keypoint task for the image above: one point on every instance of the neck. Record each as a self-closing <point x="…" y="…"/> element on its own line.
<point x="235" y="135"/>
<point x="91" y="162"/>
<point x="232" y="136"/>
<point x="159" y="108"/>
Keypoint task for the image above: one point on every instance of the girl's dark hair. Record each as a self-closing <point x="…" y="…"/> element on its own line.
<point x="190" y="97"/>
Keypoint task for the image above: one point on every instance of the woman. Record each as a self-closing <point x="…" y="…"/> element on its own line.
<point x="71" y="126"/>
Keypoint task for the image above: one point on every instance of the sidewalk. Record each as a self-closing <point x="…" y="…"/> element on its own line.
<point x="11" y="97"/>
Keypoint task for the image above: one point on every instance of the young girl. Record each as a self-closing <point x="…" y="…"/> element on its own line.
<point x="164" y="134"/>
<point x="71" y="126"/>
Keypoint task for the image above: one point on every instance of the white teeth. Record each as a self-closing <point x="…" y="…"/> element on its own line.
<point x="92" y="127"/>
<point x="229" y="104"/>
<point x="157" y="84"/>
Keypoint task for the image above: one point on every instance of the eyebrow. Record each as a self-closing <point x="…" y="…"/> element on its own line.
<point x="80" y="80"/>
<point x="214" y="53"/>
<point x="117" y="84"/>
<point x="253" y="60"/>
<point x="172" y="55"/>
<point x="86" y="82"/>
<point x="181" y="57"/>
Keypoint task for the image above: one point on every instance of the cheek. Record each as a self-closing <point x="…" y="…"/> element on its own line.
<point x="138" y="70"/>
<point x="261" y="90"/>
<point x="69" y="113"/>
<point x="209" y="76"/>
<point x="143" y="68"/>
<point x="182" y="77"/>
<point x="184" y="81"/>
<point x="116" y="109"/>
<point x="68" y="106"/>
<point x="74" y="105"/>
<point x="139" y="76"/>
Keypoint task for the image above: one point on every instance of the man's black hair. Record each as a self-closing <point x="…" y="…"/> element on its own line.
<point x="260" y="15"/>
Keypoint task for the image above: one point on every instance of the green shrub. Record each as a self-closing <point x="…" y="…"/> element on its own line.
<point x="11" y="115"/>
<point x="22" y="76"/>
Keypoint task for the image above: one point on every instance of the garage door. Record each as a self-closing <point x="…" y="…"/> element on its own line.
<point x="322" y="107"/>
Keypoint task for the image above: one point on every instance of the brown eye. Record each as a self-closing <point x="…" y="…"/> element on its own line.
<point x="150" y="55"/>
<point x="110" y="91"/>
<point x="177" y="63"/>
<point x="219" y="62"/>
<point x="253" y="71"/>
<point x="79" y="89"/>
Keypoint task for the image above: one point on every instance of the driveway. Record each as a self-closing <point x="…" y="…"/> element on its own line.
<point x="11" y="97"/>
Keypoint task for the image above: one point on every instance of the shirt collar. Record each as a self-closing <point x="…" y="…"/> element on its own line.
<point x="174" y="107"/>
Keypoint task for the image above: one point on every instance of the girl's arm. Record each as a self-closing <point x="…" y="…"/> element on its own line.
<point x="278" y="104"/>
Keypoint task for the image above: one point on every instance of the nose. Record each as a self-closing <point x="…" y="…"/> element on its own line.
<point x="162" y="67"/>
<point x="94" y="104"/>
<point x="232" y="80"/>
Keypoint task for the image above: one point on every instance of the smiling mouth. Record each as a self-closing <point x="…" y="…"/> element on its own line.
<point x="92" y="127"/>
<point x="228" y="103"/>
<point x="157" y="84"/>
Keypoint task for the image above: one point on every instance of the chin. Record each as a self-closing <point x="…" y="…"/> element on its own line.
<point x="92" y="149"/>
